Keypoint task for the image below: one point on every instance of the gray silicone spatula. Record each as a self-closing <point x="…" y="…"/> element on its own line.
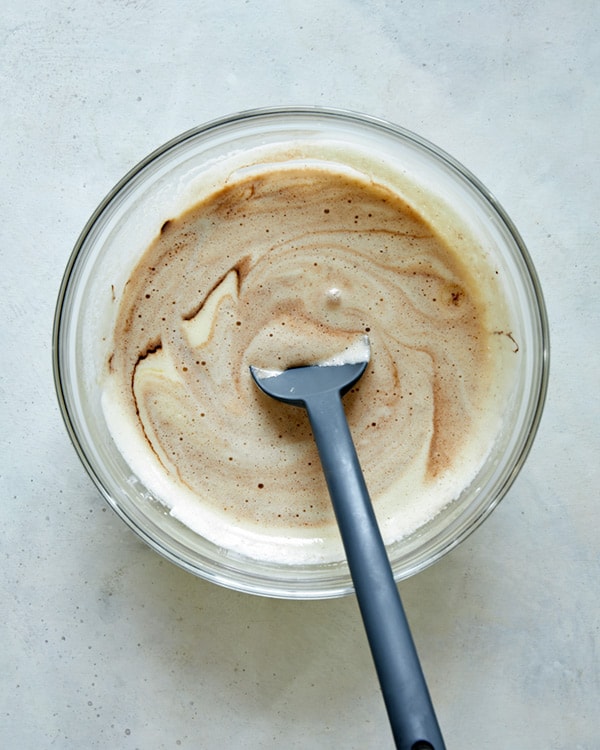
<point x="319" y="389"/>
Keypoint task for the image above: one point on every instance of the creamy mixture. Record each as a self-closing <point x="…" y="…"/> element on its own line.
<point x="289" y="267"/>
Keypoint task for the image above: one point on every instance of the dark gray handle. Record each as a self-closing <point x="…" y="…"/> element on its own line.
<point x="411" y="714"/>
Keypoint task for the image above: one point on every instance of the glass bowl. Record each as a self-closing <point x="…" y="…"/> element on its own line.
<point x="168" y="181"/>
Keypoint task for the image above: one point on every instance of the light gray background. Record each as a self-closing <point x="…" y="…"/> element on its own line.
<point x="104" y="645"/>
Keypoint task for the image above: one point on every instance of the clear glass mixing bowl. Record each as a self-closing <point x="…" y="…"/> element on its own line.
<point x="130" y="216"/>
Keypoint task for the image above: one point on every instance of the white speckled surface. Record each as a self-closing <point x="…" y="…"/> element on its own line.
<point x="104" y="645"/>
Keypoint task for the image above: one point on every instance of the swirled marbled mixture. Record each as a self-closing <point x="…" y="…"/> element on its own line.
<point x="288" y="267"/>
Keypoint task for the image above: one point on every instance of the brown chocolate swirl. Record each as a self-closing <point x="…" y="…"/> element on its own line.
<point x="284" y="268"/>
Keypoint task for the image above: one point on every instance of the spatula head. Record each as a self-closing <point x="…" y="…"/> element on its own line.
<point x="296" y="385"/>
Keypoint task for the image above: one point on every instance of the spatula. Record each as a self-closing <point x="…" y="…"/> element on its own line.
<point x="319" y="389"/>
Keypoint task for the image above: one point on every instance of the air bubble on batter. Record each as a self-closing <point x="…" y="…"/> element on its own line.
<point x="334" y="296"/>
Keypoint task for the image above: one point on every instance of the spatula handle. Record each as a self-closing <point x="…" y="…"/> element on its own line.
<point x="410" y="710"/>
